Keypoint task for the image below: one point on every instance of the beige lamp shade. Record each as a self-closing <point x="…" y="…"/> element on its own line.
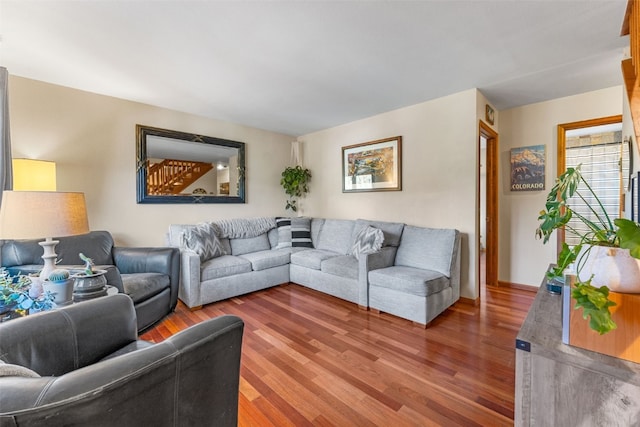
<point x="33" y="175"/>
<point x="40" y="214"/>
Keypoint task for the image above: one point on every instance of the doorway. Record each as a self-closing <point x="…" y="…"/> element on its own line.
<point x="487" y="216"/>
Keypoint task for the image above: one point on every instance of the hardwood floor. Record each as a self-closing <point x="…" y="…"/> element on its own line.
<point x="312" y="359"/>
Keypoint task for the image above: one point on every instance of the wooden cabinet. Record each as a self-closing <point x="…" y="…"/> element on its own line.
<point x="562" y="385"/>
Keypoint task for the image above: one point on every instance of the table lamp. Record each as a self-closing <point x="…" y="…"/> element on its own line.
<point x="38" y="214"/>
<point x="33" y="175"/>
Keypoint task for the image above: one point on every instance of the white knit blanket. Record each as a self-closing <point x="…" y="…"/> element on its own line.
<point x="243" y="228"/>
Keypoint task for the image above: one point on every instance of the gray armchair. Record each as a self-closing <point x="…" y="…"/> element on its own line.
<point x="90" y="369"/>
<point x="150" y="276"/>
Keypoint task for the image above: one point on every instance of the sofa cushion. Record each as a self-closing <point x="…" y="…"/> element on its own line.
<point x="96" y="245"/>
<point x="251" y="244"/>
<point x="427" y="248"/>
<point x="335" y="236"/>
<point x="316" y="226"/>
<point x="263" y="260"/>
<point x="409" y="280"/>
<point x="344" y="266"/>
<point x="311" y="258"/>
<point x="142" y="286"/>
<point x="367" y="241"/>
<point x="203" y="240"/>
<point x="392" y="230"/>
<point x="273" y="237"/>
<point x="226" y="265"/>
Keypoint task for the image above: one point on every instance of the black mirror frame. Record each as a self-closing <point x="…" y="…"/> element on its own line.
<point x="141" y="161"/>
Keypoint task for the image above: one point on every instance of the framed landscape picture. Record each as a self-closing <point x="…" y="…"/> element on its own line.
<point x="527" y="168"/>
<point x="372" y="166"/>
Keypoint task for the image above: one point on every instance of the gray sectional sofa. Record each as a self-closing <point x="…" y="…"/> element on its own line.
<point x="411" y="272"/>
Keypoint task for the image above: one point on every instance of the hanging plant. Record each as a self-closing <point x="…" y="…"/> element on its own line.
<point x="295" y="181"/>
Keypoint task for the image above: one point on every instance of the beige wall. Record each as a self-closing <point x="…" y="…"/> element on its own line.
<point x="439" y="169"/>
<point x="523" y="258"/>
<point x="92" y="140"/>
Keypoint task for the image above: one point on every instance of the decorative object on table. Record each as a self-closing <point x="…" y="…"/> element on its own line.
<point x="372" y="166"/>
<point x="621" y="342"/>
<point x="90" y="282"/>
<point x="43" y="214"/>
<point x="598" y="244"/>
<point x="489" y="114"/>
<point x="295" y="181"/>
<point x="528" y="168"/>
<point x="17" y="296"/>
<point x="554" y="285"/>
<point x="60" y="285"/>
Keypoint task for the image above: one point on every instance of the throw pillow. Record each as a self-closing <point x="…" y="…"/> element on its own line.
<point x="10" y="370"/>
<point x="367" y="241"/>
<point x="203" y="240"/>
<point x="301" y="233"/>
<point x="284" y="232"/>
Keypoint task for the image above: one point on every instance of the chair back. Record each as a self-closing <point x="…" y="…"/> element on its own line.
<point x="53" y="343"/>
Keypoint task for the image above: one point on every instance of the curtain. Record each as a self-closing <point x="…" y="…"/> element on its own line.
<point x="6" y="175"/>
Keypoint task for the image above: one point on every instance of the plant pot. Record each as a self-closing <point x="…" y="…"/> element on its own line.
<point x="89" y="286"/>
<point x="62" y="291"/>
<point x="614" y="268"/>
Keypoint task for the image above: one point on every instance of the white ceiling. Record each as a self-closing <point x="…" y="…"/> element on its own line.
<point x="300" y="66"/>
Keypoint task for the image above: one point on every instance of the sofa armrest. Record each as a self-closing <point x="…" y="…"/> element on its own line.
<point x="190" y="278"/>
<point x="151" y="260"/>
<point x="455" y="267"/>
<point x="367" y="262"/>
<point x="59" y="341"/>
<point x="196" y="368"/>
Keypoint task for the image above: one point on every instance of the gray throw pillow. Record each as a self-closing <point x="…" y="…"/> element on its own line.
<point x="294" y="232"/>
<point x="301" y="233"/>
<point x="367" y="241"/>
<point x="284" y="232"/>
<point x="10" y="370"/>
<point x="203" y="240"/>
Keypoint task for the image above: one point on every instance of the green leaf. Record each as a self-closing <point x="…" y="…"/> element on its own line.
<point x="629" y="236"/>
<point x="566" y="257"/>
<point x="595" y="305"/>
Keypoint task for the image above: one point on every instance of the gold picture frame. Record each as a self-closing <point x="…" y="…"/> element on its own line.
<point x="489" y="114"/>
<point x="372" y="166"/>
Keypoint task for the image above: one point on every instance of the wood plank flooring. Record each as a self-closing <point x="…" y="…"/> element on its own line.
<point x="309" y="359"/>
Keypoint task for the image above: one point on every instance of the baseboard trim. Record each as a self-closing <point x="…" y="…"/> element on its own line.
<point x="528" y="288"/>
<point x="474" y="302"/>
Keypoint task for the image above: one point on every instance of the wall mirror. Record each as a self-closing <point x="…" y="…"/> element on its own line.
<point x="180" y="167"/>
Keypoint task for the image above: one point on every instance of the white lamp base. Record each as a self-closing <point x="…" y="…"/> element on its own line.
<point x="49" y="256"/>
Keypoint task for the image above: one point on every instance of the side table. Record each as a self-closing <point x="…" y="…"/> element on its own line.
<point x="562" y="385"/>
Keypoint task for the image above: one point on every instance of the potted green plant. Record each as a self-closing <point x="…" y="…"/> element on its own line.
<point x="295" y="181"/>
<point x="90" y="282"/>
<point x="60" y="285"/>
<point x="600" y="233"/>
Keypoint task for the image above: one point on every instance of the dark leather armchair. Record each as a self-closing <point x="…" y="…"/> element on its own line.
<point x="94" y="372"/>
<point x="150" y="276"/>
